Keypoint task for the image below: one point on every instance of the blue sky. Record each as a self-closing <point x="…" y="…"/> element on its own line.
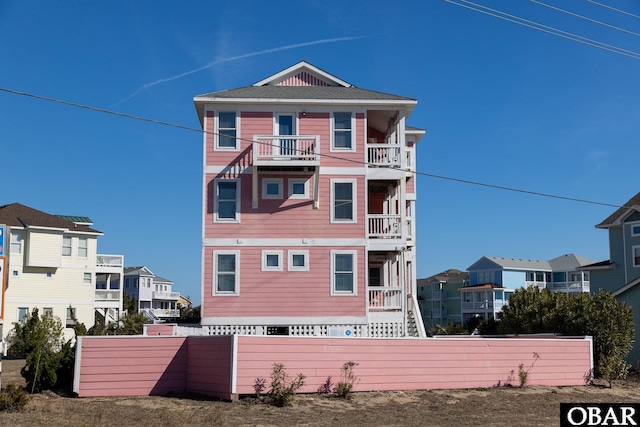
<point x="502" y="104"/>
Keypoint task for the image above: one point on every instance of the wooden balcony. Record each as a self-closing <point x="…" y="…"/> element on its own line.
<point x="289" y="150"/>
<point x="385" y="226"/>
<point x="384" y="155"/>
<point x="385" y="298"/>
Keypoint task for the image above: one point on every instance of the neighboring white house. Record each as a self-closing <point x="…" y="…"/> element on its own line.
<point x="53" y="265"/>
<point x="153" y="294"/>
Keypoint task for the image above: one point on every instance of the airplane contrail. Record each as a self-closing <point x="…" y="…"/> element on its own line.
<point x="233" y="58"/>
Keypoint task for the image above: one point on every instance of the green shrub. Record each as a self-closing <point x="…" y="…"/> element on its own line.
<point x="344" y="387"/>
<point x="13" y="399"/>
<point x="283" y="388"/>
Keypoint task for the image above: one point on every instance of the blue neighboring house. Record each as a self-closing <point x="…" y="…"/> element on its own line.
<point x="493" y="279"/>
<point x="620" y="274"/>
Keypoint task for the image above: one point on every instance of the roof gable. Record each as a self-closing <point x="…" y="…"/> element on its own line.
<point x="618" y="217"/>
<point x="302" y="74"/>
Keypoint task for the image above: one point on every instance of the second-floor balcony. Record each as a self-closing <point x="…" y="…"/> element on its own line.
<point x="286" y="150"/>
<point x="581" y="286"/>
<point x="174" y="296"/>
<point x="107" y="295"/>
<point x="385" y="297"/>
<point x="109" y="261"/>
<point x="384" y="155"/>
<point x="382" y="226"/>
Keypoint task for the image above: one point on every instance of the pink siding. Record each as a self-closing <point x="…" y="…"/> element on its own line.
<point x="411" y="186"/>
<point x="210" y="365"/>
<point x="285" y="293"/>
<point x="414" y="364"/>
<point x="129" y="366"/>
<point x="301" y="219"/>
<point x="160" y="329"/>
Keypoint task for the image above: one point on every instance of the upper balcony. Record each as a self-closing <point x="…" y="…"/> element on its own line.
<point x="172" y="296"/>
<point x="289" y="150"/>
<point x="109" y="263"/>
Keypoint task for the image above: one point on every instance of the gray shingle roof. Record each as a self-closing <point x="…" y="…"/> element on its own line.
<point x="521" y="264"/>
<point x="569" y="262"/>
<point x="305" y="92"/>
<point x="448" y="276"/>
<point x="623" y="211"/>
<point x="17" y="215"/>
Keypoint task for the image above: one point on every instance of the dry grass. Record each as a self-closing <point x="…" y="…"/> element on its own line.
<point x="502" y="406"/>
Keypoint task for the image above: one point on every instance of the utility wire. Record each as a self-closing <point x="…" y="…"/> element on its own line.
<point x="585" y="18"/>
<point x="360" y="162"/>
<point x="544" y="28"/>
<point x="613" y="8"/>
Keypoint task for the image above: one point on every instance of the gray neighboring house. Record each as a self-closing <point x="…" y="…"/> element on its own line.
<point x="153" y="294"/>
<point x="620" y="274"/>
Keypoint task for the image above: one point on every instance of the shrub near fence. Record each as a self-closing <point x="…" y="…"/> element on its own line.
<point x="227" y="366"/>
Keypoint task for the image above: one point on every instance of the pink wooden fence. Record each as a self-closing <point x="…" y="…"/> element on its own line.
<point x="227" y="366"/>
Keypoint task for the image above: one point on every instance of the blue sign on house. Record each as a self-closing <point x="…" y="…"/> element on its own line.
<point x="2" y="233"/>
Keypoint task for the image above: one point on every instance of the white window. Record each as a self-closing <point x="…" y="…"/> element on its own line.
<point x="298" y="188"/>
<point x="47" y="311"/>
<point x="226" y="273"/>
<point x="66" y="246"/>
<point x="16" y="243"/>
<point x="298" y="260"/>
<point x="343" y="273"/>
<point x="83" y="247"/>
<point x="227" y="131"/>
<point x="272" y="188"/>
<point x="227" y="200"/>
<point x="343" y="207"/>
<point x="342" y="132"/>
<point x="86" y="278"/>
<point x="635" y="253"/>
<point x="271" y="260"/>
<point x="71" y="317"/>
<point x="23" y="313"/>
<point x="635" y="230"/>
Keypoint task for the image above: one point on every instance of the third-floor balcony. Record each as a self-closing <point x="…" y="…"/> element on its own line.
<point x="166" y="295"/>
<point x="286" y="150"/>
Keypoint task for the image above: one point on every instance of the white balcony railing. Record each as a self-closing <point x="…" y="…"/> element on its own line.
<point x="438" y="295"/>
<point x="385" y="298"/>
<point x="289" y="149"/>
<point x="570" y="286"/>
<point x="483" y="305"/>
<point x="161" y="313"/>
<point x="107" y="295"/>
<point x="384" y="155"/>
<point x="109" y="260"/>
<point x="165" y="295"/>
<point x="385" y="226"/>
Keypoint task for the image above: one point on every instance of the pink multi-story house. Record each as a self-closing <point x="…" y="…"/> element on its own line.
<point x="309" y="209"/>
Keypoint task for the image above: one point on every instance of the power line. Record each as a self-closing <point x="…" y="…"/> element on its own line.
<point x="361" y="162"/>
<point x="544" y="28"/>
<point x="585" y="18"/>
<point x="613" y="8"/>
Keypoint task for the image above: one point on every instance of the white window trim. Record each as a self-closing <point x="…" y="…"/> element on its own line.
<point x="355" y="273"/>
<point x="15" y="240"/>
<point x="332" y="146"/>
<point x="266" y="181"/>
<point x="90" y="282"/>
<point x="70" y="246"/>
<point x="216" y="128"/>
<point x="354" y="193"/>
<point x="266" y="267"/>
<point x="18" y="314"/>
<point x="215" y="200"/>
<point x="633" y="258"/>
<point x="214" y="290"/>
<point x="85" y="239"/>
<point x="637" y="224"/>
<point x="292" y="267"/>
<point x="304" y="181"/>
